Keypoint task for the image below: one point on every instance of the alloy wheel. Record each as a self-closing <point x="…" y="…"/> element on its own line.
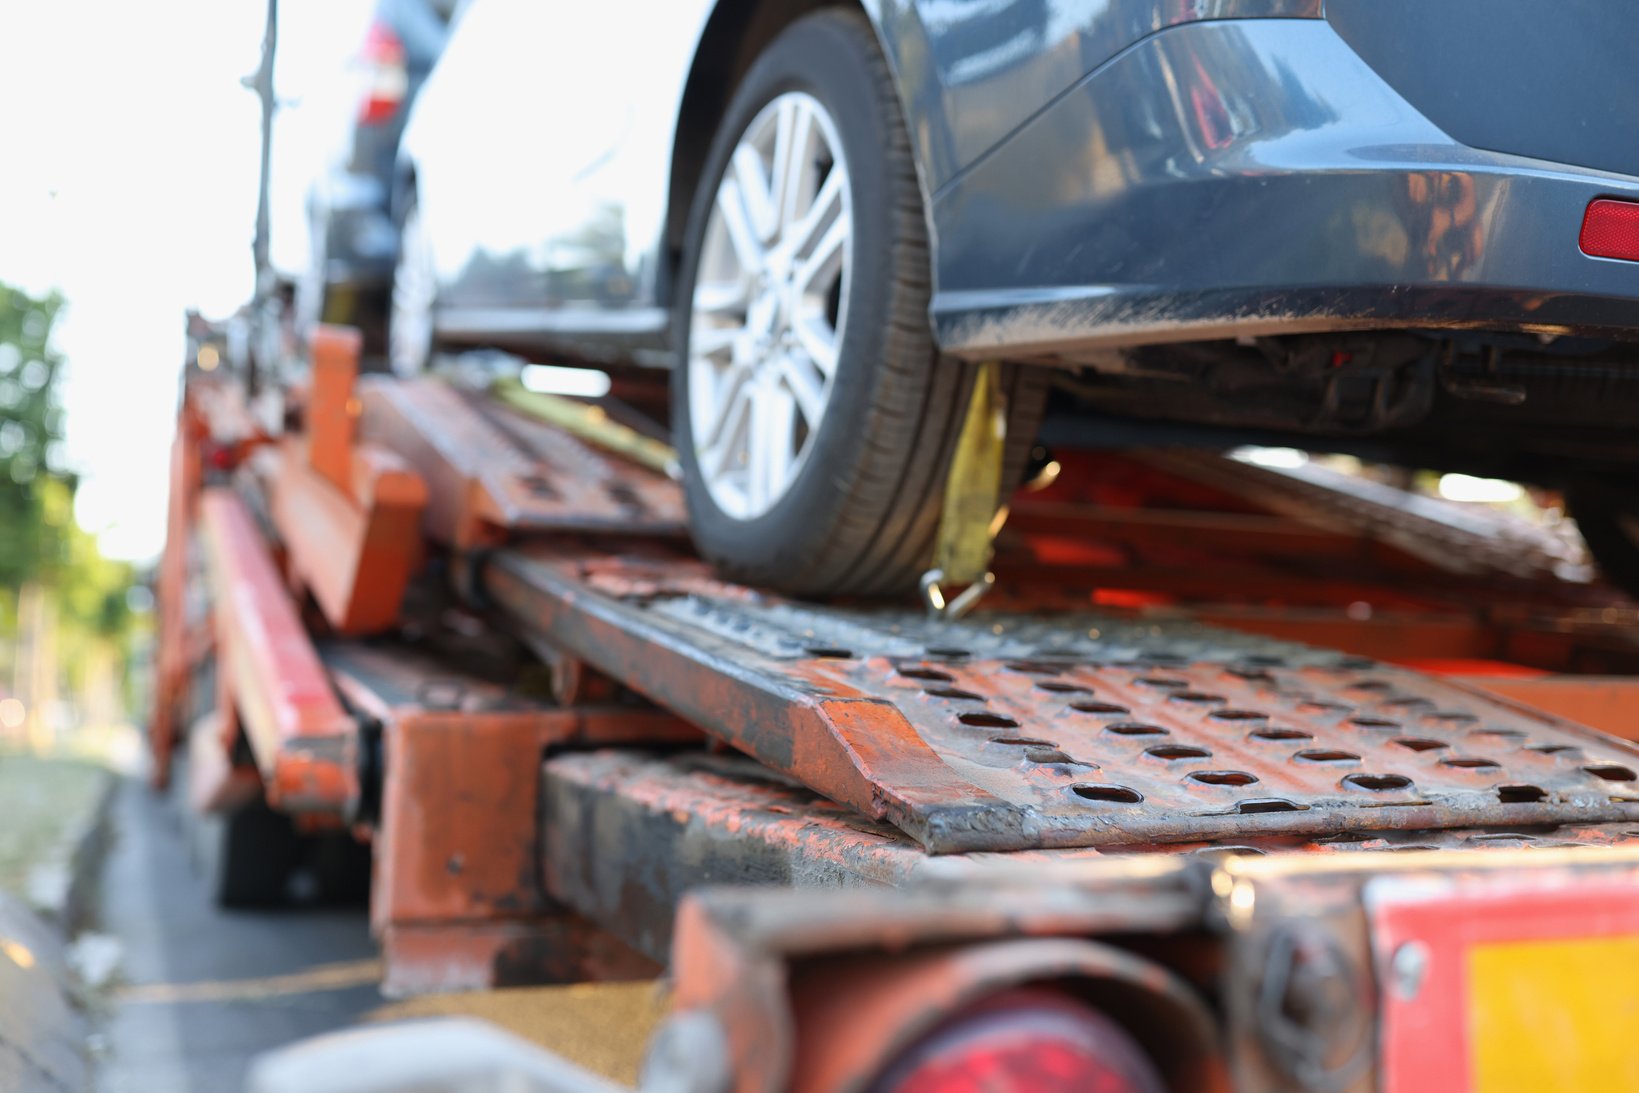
<point x="769" y="305"/>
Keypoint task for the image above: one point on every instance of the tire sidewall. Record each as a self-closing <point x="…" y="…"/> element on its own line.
<point x="814" y="58"/>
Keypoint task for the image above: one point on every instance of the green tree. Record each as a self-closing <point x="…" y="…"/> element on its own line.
<point x="32" y="531"/>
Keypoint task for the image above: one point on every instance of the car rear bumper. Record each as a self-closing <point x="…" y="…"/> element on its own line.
<point x="1253" y="177"/>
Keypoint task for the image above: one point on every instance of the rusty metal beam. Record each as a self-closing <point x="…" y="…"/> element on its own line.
<point x="354" y="550"/>
<point x="303" y="741"/>
<point x="457" y="899"/>
<point x="491" y="472"/>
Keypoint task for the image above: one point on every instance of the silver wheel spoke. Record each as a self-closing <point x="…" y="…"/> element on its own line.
<point x="793" y="159"/>
<point x="806" y="387"/>
<point x="753" y="183"/>
<point x="738" y="222"/>
<point x="768" y="305"/>
<point x="826" y="209"/>
<point x="714" y="339"/>
<point x="818" y="340"/>
<point x="819" y="269"/>
<point x="769" y="467"/>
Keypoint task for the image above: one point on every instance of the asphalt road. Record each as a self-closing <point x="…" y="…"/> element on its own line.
<point x="202" y="991"/>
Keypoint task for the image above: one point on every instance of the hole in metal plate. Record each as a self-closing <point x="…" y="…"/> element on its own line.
<point x="1223" y="777"/>
<point x="1282" y="734"/>
<point x="980" y="719"/>
<point x="947" y="652"/>
<point x="1566" y="750"/>
<point x="1377" y="783"/>
<point x="829" y="652"/>
<point x="1107" y="794"/>
<point x="1326" y="755"/>
<point x="1022" y="742"/>
<point x="1200" y="697"/>
<point x="1521" y="794"/>
<point x="954" y="692"/>
<point x="933" y="675"/>
<point x="1177" y="751"/>
<point x="1238" y="715"/>
<point x="1325" y="707"/>
<point x="1268" y="804"/>
<point x="1451" y="717"/>
<point x="1134" y="728"/>
<point x="1055" y="687"/>
<point x="1470" y="762"/>
<point x="1164" y="682"/>
<point x="1419" y="743"/>
<point x="1106" y="708"/>
<point x="1373" y="723"/>
<point x="1611" y="772"/>
<point x="1035" y="667"/>
<point x="1050" y="756"/>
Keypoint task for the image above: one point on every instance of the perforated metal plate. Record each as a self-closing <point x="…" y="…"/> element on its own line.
<point x="1006" y="732"/>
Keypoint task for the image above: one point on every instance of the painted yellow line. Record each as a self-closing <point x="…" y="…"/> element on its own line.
<point x="324" y="977"/>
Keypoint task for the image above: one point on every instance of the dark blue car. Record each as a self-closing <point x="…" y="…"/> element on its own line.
<point x="1405" y="228"/>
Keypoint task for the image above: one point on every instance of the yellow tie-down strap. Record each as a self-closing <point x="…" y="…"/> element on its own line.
<point x="972" y="512"/>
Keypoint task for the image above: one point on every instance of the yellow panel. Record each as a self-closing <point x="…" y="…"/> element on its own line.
<point x="1554" y="1015"/>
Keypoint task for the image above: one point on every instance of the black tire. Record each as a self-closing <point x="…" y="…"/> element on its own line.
<point x="1608" y="517"/>
<point x="861" y="516"/>
<point x="256" y="850"/>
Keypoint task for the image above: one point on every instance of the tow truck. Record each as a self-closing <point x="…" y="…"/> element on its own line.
<point x="1237" y="778"/>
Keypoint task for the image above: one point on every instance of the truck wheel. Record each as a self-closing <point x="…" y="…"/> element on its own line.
<point x="253" y="854"/>
<point x="1608" y="517"/>
<point x="814" y="418"/>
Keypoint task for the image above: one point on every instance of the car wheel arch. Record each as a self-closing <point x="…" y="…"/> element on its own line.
<point x="736" y="32"/>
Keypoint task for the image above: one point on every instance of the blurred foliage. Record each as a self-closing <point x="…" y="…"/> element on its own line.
<point x="39" y="538"/>
<point x="36" y="503"/>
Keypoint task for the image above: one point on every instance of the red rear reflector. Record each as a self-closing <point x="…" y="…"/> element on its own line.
<point x="1611" y="230"/>
<point x="1026" y="1041"/>
<point x="386" y="81"/>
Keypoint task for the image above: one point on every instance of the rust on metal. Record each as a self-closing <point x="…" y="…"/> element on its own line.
<point x="456" y="841"/>
<point x="1007" y="732"/>
<point x="301" y="737"/>
<point x="355" y="550"/>
<point x="491" y="471"/>
<point x="627" y="833"/>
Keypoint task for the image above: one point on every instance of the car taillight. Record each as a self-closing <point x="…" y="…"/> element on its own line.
<point x="1610" y="229"/>
<point x="1025" y="1041"/>
<point x="386" y="79"/>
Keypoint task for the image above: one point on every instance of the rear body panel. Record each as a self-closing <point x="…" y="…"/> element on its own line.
<point x="1240" y="178"/>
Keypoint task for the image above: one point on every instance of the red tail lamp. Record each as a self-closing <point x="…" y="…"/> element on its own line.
<point x="1610" y="229"/>
<point x="1030" y="1040"/>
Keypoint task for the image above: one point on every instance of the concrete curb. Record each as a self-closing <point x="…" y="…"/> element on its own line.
<point x="63" y="888"/>
<point x="42" y="1032"/>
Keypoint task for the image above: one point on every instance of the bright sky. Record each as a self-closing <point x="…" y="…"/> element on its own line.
<point x="128" y="163"/>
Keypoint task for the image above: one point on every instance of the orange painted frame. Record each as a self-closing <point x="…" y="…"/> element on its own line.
<point x="304" y="742"/>
<point x="1424" y="1038"/>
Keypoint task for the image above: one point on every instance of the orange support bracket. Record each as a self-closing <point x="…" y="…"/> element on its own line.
<point x="304" y="742"/>
<point x="349" y="514"/>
